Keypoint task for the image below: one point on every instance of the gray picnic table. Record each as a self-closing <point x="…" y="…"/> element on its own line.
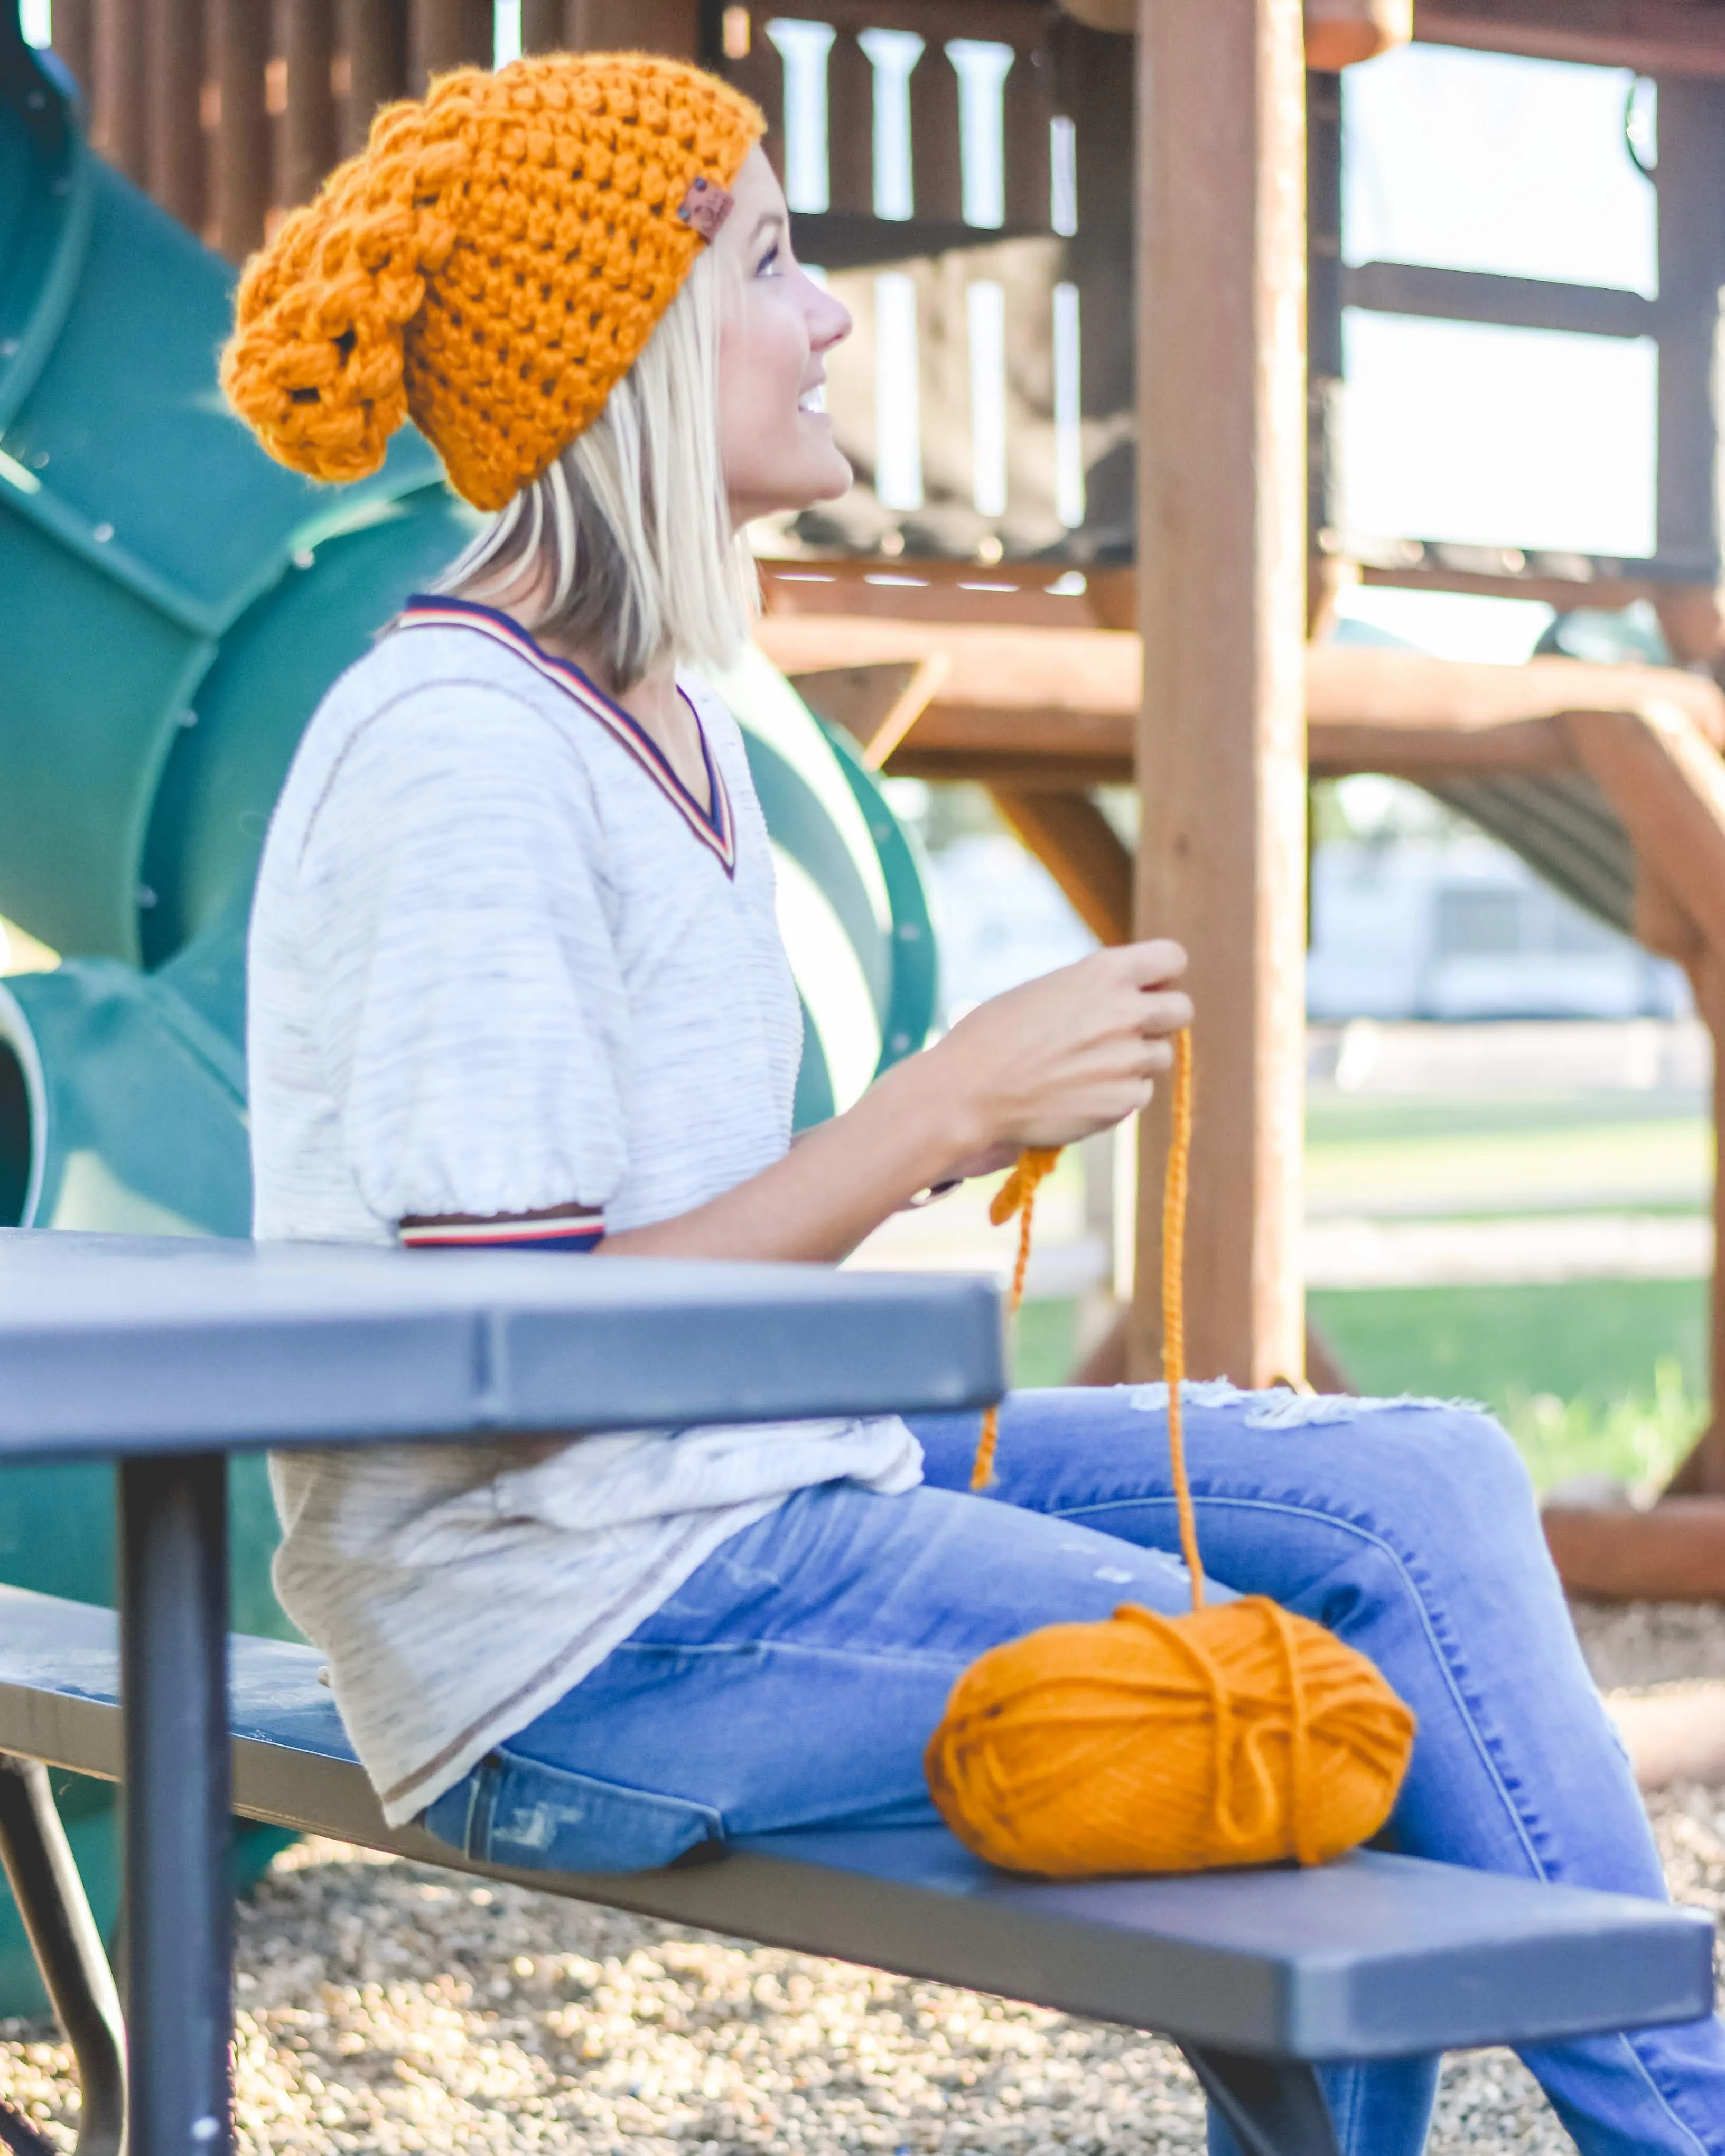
<point x="168" y="1354"/>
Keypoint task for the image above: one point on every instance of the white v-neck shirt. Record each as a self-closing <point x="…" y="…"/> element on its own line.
<point x="501" y="961"/>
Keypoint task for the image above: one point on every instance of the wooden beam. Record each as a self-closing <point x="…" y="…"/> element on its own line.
<point x="1479" y="296"/>
<point x="1056" y="709"/>
<point x="877" y="705"/>
<point x="1673" y="1553"/>
<point x="1019" y="595"/>
<point x="1065" y="671"/>
<point x="1081" y="849"/>
<point x="1653" y="37"/>
<point x="1427" y="574"/>
<point x="1221" y="556"/>
<point x="1666" y="783"/>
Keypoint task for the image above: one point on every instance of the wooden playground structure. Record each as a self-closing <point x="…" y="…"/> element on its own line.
<point x="1094" y="251"/>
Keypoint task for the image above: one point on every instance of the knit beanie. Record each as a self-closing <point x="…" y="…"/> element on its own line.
<point x="490" y="266"/>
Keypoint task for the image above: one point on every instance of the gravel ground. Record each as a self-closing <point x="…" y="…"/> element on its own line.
<point x="385" y="2008"/>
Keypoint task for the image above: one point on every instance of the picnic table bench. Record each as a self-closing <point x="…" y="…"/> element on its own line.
<point x="167" y="1355"/>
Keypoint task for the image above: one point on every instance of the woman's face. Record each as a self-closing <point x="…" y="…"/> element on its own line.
<point x="775" y="439"/>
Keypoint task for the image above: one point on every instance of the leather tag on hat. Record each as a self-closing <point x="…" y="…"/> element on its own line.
<point x="705" y="208"/>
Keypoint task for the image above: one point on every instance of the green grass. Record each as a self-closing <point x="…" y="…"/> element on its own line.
<point x="1506" y="1165"/>
<point x="1591" y="1377"/>
<point x="1046" y="1346"/>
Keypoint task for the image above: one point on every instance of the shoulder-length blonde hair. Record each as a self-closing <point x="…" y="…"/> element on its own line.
<point x="622" y="550"/>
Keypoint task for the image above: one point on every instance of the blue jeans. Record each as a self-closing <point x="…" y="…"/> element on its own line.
<point x="794" y="1679"/>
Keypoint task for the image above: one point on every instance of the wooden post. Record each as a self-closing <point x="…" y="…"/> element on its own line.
<point x="1221" y="576"/>
<point x="758" y="72"/>
<point x="306" y="139"/>
<point x="542" y="26"/>
<point x="447" y="33"/>
<point x="117" y="113"/>
<point x="173" y="130"/>
<point x="1704" y="1470"/>
<point x="637" y="26"/>
<point x="241" y="169"/>
<point x="850" y="127"/>
<point x="1324" y="384"/>
<point x="1691" y="269"/>
<point x="74" y="39"/>
<point x="1028" y="113"/>
<point x="374" y="43"/>
<point x="937" y="180"/>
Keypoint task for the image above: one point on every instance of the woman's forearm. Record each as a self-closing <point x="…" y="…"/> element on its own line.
<point x="1044" y="1065"/>
<point x="835" y="1186"/>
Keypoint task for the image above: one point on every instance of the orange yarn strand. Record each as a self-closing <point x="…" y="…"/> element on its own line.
<point x="1238" y="1734"/>
<point x="1173" y="1301"/>
<point x="1017" y="1195"/>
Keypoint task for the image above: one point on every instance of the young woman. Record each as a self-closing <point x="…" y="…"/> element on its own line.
<point x="515" y="981"/>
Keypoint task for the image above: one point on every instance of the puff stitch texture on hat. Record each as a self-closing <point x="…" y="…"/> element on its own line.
<point x="490" y="265"/>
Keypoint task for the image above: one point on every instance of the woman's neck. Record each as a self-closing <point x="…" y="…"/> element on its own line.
<point x="661" y="711"/>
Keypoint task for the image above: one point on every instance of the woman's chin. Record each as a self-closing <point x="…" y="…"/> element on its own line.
<point x="816" y="481"/>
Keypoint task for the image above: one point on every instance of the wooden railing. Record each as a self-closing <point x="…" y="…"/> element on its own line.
<point x="961" y="172"/>
<point x="231" y="111"/>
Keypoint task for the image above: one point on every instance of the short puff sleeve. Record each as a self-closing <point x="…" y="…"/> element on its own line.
<point x="470" y="1018"/>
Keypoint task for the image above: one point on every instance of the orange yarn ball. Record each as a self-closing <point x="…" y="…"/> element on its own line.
<point x="1239" y="1734"/>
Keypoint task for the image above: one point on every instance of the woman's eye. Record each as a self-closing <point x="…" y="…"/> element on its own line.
<point x="769" y="262"/>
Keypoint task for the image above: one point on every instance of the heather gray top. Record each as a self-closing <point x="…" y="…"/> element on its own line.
<point x="501" y="961"/>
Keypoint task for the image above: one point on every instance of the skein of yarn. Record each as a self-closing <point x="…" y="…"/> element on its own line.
<point x="1238" y="1734"/>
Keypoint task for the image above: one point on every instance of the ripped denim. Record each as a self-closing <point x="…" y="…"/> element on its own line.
<point x="794" y="1679"/>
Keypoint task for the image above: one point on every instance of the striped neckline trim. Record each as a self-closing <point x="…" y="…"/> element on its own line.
<point x="714" y="826"/>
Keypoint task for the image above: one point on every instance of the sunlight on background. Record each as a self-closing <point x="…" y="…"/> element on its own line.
<point x="1474" y="161"/>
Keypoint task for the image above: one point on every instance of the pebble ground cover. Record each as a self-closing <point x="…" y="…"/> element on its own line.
<point x="389" y="2007"/>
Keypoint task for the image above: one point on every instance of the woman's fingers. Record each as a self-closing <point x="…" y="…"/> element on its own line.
<point x="1168" y="1012"/>
<point x="1151" y="965"/>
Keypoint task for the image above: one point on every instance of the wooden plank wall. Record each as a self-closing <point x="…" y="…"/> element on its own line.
<point x="229" y="112"/>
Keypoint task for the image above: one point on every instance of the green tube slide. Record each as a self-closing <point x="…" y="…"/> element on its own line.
<point x="172" y="606"/>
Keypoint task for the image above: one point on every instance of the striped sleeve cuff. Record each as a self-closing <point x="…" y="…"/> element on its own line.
<point x="580" y="1232"/>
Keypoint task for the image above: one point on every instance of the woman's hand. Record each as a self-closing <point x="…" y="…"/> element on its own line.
<point x="1074" y="1052"/>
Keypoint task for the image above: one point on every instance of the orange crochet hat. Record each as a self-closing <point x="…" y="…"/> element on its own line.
<point x="489" y="265"/>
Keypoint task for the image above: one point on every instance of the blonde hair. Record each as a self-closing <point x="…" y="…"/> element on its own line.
<point x="623" y="548"/>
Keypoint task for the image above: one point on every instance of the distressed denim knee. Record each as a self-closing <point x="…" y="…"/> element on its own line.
<point x="523" y="1813"/>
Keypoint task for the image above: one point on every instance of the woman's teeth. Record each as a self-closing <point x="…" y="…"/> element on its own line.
<point x="813" y="400"/>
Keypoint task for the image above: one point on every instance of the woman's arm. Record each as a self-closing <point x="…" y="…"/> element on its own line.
<point x="1047" y="1063"/>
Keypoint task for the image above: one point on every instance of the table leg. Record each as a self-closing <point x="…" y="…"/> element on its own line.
<point x="69" y="1954"/>
<point x="1273" y="2107"/>
<point x="179" y="1904"/>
